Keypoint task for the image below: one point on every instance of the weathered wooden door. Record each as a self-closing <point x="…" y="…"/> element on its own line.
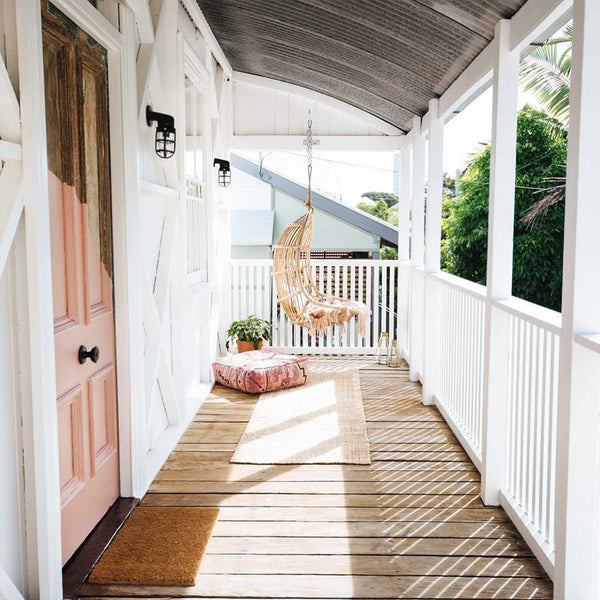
<point x="76" y="83"/>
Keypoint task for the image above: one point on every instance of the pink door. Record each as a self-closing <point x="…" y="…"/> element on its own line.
<point x="81" y="235"/>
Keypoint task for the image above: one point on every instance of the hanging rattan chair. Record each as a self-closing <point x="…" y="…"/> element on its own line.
<point x="301" y="300"/>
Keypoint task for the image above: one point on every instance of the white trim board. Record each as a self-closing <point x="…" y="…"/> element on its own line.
<point x="360" y="143"/>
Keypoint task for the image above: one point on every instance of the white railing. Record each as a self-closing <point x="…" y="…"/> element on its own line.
<point x="530" y="383"/>
<point x="460" y="380"/>
<point x="373" y="282"/>
<point x="529" y="492"/>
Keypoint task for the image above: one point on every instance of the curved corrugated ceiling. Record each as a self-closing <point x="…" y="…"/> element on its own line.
<point x="388" y="58"/>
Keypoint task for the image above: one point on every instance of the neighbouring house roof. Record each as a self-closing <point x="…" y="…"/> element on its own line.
<point x="252" y="227"/>
<point x="387" y="232"/>
<point x="387" y="58"/>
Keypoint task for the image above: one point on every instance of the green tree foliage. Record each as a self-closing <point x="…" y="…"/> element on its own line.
<point x="379" y="209"/>
<point x="538" y="246"/>
<point x="389" y="198"/>
<point x="388" y="253"/>
<point x="382" y="211"/>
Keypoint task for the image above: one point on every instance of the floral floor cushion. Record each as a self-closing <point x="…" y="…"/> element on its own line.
<point x="260" y="371"/>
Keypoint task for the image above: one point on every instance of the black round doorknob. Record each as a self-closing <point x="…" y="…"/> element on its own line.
<point x="84" y="354"/>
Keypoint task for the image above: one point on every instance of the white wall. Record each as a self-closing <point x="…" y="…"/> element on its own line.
<point x="191" y="317"/>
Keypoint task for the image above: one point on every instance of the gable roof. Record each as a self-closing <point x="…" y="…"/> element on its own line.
<point x="387" y="232"/>
<point x="387" y="58"/>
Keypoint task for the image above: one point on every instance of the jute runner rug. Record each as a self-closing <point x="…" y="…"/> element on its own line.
<point x="322" y="421"/>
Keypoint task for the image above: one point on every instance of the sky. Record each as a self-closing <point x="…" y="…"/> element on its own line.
<point x="347" y="175"/>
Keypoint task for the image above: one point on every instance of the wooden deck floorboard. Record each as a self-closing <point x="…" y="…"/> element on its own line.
<point x="410" y="525"/>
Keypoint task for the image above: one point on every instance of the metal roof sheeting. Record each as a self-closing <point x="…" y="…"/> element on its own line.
<point x="387" y="58"/>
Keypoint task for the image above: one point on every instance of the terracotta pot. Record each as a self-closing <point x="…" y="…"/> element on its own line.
<point x="248" y="346"/>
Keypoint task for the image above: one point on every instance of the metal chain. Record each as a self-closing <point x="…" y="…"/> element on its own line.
<point x="309" y="144"/>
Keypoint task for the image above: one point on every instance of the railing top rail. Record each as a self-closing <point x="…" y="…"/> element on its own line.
<point x="251" y="261"/>
<point x="533" y="313"/>
<point x="463" y="285"/>
<point x="321" y="261"/>
<point x="591" y="341"/>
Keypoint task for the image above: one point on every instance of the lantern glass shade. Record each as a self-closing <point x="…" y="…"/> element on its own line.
<point x="224" y="175"/>
<point x="164" y="143"/>
<point x="164" y="140"/>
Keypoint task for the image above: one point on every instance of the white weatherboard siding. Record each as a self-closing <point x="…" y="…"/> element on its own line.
<point x="248" y="192"/>
<point x="168" y="326"/>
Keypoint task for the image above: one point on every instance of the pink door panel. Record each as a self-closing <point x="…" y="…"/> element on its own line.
<point x="81" y="240"/>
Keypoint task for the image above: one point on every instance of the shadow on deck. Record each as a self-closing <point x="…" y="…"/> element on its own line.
<point x="410" y="525"/>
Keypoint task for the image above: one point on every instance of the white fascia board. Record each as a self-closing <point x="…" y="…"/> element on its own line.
<point x="297" y="90"/>
<point x="537" y="20"/>
<point x="368" y="143"/>
<point x="476" y="78"/>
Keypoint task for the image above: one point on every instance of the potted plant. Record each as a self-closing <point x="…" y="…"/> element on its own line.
<point x="250" y="333"/>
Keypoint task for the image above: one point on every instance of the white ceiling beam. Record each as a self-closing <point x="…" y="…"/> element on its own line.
<point x="368" y="143"/>
<point x="297" y="90"/>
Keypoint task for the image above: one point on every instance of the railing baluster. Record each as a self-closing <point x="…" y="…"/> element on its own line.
<point x="375" y="301"/>
<point x="352" y="329"/>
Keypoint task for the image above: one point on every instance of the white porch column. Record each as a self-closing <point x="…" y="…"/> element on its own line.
<point x="417" y="242"/>
<point x="433" y="235"/>
<point x="404" y="245"/>
<point x="40" y="436"/>
<point x="499" y="263"/>
<point x="128" y="283"/>
<point x="577" y="525"/>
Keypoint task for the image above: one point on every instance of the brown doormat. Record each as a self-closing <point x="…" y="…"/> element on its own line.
<point x="157" y="546"/>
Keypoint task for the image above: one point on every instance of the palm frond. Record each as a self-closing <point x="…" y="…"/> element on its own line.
<point x="553" y="196"/>
<point x="546" y="72"/>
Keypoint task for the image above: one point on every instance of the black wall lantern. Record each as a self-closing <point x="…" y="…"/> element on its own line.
<point x="164" y="141"/>
<point x="224" y="171"/>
